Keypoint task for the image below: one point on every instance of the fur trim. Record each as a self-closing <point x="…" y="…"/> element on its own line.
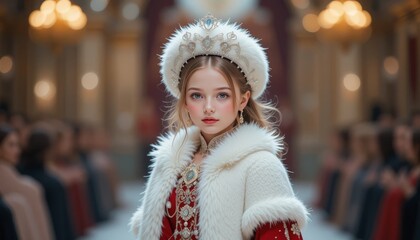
<point x="227" y="40"/>
<point x="135" y="221"/>
<point x="271" y="211"/>
<point x="233" y="180"/>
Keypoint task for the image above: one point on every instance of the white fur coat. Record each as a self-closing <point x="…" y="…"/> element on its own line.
<point x="242" y="185"/>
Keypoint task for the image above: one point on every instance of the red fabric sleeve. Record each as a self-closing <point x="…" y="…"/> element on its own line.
<point x="166" y="229"/>
<point x="285" y="230"/>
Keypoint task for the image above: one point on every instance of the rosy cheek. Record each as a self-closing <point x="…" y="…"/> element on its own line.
<point x="192" y="108"/>
<point x="226" y="107"/>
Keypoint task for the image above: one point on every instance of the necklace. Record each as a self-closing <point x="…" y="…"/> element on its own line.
<point x="186" y="210"/>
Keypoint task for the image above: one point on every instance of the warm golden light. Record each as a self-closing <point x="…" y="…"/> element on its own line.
<point x="50" y="20"/>
<point x="349" y="11"/>
<point x="6" y="64"/>
<point x="324" y="21"/>
<point x="336" y="6"/>
<point x="352" y="7"/>
<point x="368" y="18"/>
<point x="344" y="21"/>
<point x="51" y="12"/>
<point x="74" y="13"/>
<point x="310" y="23"/>
<point x="90" y="80"/>
<point x="79" y="23"/>
<point x="48" y="6"/>
<point x="63" y="6"/>
<point x="36" y="19"/>
<point x="391" y="66"/>
<point x="44" y="89"/>
<point x="351" y="82"/>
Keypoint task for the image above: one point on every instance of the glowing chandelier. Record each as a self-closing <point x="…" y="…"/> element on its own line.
<point x="57" y="21"/>
<point x="343" y="21"/>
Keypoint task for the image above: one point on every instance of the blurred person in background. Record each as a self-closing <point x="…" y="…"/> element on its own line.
<point x="103" y="161"/>
<point x="410" y="184"/>
<point x="374" y="191"/>
<point x="7" y="222"/>
<point x="67" y="167"/>
<point x="332" y="159"/>
<point x="84" y="140"/>
<point x="34" y="161"/>
<point x="415" y="119"/>
<point x="359" y="136"/>
<point x="21" y="124"/>
<point x="389" y="224"/>
<point x="32" y="218"/>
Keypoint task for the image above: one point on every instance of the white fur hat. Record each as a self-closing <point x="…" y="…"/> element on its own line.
<point x="209" y="36"/>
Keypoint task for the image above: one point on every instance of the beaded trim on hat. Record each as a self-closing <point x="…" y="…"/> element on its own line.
<point x="223" y="45"/>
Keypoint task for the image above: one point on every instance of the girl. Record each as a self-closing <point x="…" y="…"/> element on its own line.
<point x="217" y="174"/>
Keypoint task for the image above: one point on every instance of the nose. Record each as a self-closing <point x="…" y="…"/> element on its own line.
<point x="208" y="108"/>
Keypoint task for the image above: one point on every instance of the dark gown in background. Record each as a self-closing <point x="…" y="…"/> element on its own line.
<point x="93" y="181"/>
<point x="7" y="224"/>
<point x="56" y="198"/>
<point x="369" y="212"/>
<point x="409" y="213"/>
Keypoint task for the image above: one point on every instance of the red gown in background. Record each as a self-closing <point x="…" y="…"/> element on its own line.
<point x="388" y="226"/>
<point x="284" y="230"/>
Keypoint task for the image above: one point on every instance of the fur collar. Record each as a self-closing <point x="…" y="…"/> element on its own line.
<point x="173" y="152"/>
<point x="176" y="150"/>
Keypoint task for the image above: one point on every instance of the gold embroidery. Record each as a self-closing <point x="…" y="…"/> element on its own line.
<point x="286" y="231"/>
<point x="295" y="229"/>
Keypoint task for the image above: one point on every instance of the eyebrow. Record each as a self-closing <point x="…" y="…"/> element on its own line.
<point x="198" y="89"/>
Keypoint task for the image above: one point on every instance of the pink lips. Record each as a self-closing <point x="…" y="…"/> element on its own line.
<point x="210" y="120"/>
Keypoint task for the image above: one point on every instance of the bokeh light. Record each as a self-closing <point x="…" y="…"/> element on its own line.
<point x="130" y="11"/>
<point x="391" y="66"/>
<point x="310" y="22"/>
<point x="349" y="11"/>
<point x="52" y="12"/>
<point x="351" y="82"/>
<point x="90" y="80"/>
<point x="98" y="5"/>
<point x="6" y="64"/>
<point x="44" y="89"/>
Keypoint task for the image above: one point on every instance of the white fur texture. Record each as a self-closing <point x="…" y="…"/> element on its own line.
<point x="252" y="58"/>
<point x="242" y="185"/>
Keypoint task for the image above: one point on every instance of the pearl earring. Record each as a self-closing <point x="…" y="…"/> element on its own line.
<point x="241" y="117"/>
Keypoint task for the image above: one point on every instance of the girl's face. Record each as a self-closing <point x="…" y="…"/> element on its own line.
<point x="9" y="149"/>
<point x="210" y="104"/>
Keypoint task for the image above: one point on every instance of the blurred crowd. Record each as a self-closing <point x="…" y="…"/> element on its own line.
<point x="57" y="179"/>
<point x="369" y="183"/>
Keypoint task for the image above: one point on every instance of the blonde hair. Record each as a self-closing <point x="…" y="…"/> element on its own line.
<point x="261" y="113"/>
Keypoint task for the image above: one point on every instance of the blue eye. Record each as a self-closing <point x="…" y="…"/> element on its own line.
<point x="195" y="96"/>
<point x="223" y="95"/>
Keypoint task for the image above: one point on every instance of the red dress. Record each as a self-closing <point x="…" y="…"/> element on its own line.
<point x="388" y="226"/>
<point x="284" y="230"/>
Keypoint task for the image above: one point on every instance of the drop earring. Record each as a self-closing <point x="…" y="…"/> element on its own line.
<point x="241" y="117"/>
